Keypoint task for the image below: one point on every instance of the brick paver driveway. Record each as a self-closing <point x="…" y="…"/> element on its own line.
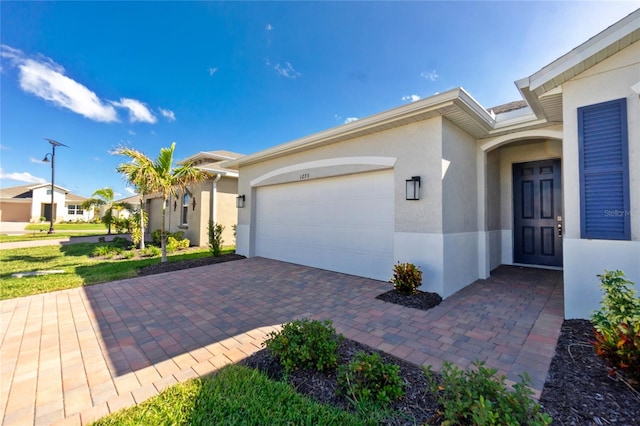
<point x="73" y="356"/>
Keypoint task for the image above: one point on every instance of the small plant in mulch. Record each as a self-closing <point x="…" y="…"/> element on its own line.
<point x="406" y="279"/>
<point x="305" y="343"/>
<point x="617" y="326"/>
<point x="367" y="379"/>
<point x="479" y="397"/>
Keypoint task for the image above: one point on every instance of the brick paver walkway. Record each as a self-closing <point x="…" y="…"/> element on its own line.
<point x="72" y="356"/>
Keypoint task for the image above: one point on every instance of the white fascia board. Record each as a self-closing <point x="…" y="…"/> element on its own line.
<point x="41" y="185"/>
<point x="219" y="172"/>
<point x="458" y="97"/>
<point x="587" y="49"/>
<point x="205" y="155"/>
<point x="530" y="98"/>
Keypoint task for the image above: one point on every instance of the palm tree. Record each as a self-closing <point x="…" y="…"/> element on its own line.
<point x="104" y="197"/>
<point x="138" y="173"/>
<point x="159" y="176"/>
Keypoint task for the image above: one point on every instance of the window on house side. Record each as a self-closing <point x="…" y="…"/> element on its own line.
<point x="605" y="209"/>
<point x="185" y="207"/>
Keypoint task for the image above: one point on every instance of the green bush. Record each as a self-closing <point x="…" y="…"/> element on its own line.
<point x="407" y="277"/>
<point x="308" y="344"/>
<point x="174" y="244"/>
<point x="151" y="251"/>
<point x="368" y="379"/>
<point x="122" y="225"/>
<point x="120" y="242"/>
<point x="101" y="251"/>
<point x="129" y="254"/>
<point x="156" y="237"/>
<point x="479" y="397"/>
<point x="134" y="222"/>
<point x="215" y="238"/>
<point x="617" y="325"/>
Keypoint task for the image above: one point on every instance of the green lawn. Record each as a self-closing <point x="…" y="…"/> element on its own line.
<point x="234" y="396"/>
<point x="67" y="226"/>
<point x="41" y="235"/>
<point x="79" y="267"/>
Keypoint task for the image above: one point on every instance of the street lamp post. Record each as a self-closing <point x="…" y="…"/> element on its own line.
<point x="52" y="155"/>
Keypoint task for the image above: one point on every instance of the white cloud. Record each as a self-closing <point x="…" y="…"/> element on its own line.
<point x="45" y="79"/>
<point x="287" y="71"/>
<point x="4" y="148"/>
<point x="138" y="111"/>
<point x="36" y="160"/>
<point x="430" y="75"/>
<point x="411" y="98"/>
<point x="350" y="120"/>
<point x="268" y="27"/>
<point x="130" y="190"/>
<point x="22" y="177"/>
<point x="131" y="132"/>
<point x="213" y="70"/>
<point x="168" y="114"/>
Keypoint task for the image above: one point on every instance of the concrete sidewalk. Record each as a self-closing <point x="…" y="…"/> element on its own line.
<point x="72" y="356"/>
<point x="60" y="241"/>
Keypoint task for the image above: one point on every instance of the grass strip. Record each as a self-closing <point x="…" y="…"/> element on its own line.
<point x="80" y="268"/>
<point x="235" y="395"/>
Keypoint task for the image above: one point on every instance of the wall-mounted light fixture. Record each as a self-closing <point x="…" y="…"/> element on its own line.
<point x="240" y="201"/>
<point x="413" y="188"/>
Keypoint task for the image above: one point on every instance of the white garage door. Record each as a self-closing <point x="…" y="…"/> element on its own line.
<point x="342" y="224"/>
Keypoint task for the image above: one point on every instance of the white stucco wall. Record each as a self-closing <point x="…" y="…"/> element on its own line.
<point x="41" y="197"/>
<point x="584" y="259"/>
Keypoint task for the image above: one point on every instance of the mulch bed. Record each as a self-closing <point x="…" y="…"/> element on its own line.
<point x="578" y="390"/>
<point x="160" y="267"/>
<point x="421" y="300"/>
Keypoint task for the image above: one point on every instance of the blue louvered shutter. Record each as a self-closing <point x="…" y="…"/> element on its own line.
<point x="604" y="171"/>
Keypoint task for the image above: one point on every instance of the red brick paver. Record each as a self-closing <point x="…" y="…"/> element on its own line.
<point x="72" y="356"/>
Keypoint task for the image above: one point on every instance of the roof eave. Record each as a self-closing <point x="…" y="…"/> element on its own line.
<point x="458" y="98"/>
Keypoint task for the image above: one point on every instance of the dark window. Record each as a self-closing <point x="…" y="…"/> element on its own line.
<point x="185" y="207"/>
<point x="605" y="209"/>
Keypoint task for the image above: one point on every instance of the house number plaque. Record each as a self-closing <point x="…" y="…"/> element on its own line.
<point x="304" y="176"/>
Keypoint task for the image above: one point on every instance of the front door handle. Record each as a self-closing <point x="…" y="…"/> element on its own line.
<point x="559" y="230"/>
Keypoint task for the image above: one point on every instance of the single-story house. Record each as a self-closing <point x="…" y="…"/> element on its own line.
<point x="133" y="201"/>
<point x="214" y="198"/>
<point x="29" y="203"/>
<point x="552" y="181"/>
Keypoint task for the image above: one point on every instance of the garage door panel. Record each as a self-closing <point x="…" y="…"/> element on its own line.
<point x="343" y="224"/>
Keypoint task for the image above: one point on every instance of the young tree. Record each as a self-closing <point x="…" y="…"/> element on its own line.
<point x="104" y="197"/>
<point x="158" y="176"/>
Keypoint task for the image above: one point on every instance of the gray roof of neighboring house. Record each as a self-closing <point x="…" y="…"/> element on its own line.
<point x="25" y="192"/>
<point x="510" y="106"/>
<point x="210" y="161"/>
<point x="134" y="199"/>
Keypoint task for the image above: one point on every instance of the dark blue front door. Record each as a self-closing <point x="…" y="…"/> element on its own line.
<point x="537" y="208"/>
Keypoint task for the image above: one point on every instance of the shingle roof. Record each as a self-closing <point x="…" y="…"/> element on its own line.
<point x="25" y="192"/>
<point x="510" y="106"/>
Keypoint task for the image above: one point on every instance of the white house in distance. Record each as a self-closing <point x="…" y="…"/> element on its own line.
<point x="459" y="189"/>
<point x="29" y="203"/>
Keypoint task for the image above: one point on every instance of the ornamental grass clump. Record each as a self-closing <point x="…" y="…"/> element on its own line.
<point x="617" y="326"/>
<point x="308" y="344"/>
<point x="407" y="277"/>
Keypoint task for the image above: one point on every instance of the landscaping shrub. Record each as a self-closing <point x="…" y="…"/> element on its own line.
<point x="617" y="325"/>
<point x="101" y="251"/>
<point x="134" y="222"/>
<point x="479" y="397"/>
<point x="368" y="379"/>
<point x="129" y="254"/>
<point x="215" y="238"/>
<point x="305" y="343"/>
<point x="120" y="242"/>
<point x="151" y="251"/>
<point x="407" y="277"/>
<point x="156" y="237"/>
<point x="174" y="244"/>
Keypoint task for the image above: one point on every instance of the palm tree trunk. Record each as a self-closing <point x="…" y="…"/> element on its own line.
<point x="163" y="240"/>
<point x="142" y="222"/>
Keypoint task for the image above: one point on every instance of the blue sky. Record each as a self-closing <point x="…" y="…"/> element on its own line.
<point x="244" y="76"/>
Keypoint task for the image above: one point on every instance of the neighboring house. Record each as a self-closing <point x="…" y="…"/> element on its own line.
<point x="551" y="182"/>
<point x="133" y="201"/>
<point x="214" y="199"/>
<point x="29" y="203"/>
